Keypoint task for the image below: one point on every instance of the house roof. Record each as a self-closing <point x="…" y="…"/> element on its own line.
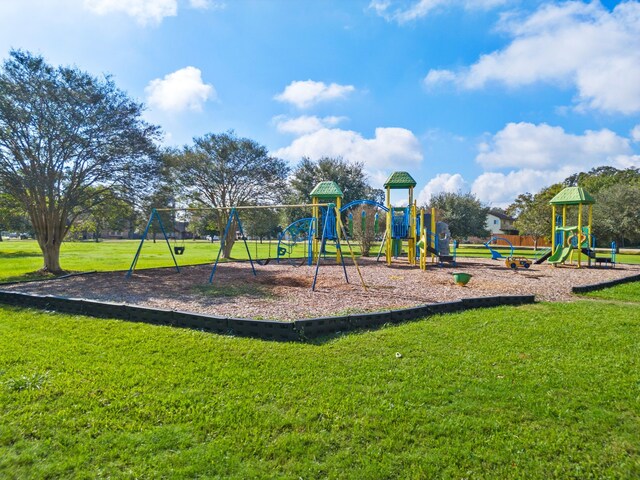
<point x="326" y="190"/>
<point x="500" y="215"/>
<point x="400" y="180"/>
<point x="573" y="196"/>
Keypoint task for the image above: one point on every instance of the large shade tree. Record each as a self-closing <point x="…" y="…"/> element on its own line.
<point x="616" y="214"/>
<point x="350" y="177"/>
<point x="223" y="170"/>
<point x="464" y="213"/>
<point x="64" y="137"/>
<point x="533" y="212"/>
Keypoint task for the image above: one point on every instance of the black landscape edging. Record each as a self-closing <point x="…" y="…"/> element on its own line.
<point x="610" y="283"/>
<point x="297" y="330"/>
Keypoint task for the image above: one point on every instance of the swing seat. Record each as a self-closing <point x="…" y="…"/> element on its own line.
<point x="264" y="261"/>
<point x="178" y="250"/>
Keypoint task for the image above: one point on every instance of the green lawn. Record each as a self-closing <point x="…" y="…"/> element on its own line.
<point x="21" y="257"/>
<point x="627" y="292"/>
<point x="538" y="391"/>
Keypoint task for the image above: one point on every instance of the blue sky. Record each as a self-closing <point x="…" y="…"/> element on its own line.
<point x="497" y="97"/>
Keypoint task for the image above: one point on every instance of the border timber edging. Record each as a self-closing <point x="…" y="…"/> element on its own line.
<point x="297" y="330"/>
<point x="610" y="283"/>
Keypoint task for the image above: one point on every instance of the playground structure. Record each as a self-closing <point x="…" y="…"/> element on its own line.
<point x="404" y="225"/>
<point x="326" y="191"/>
<point x="511" y="261"/>
<point x="329" y="225"/>
<point x="567" y="240"/>
<point x="401" y="221"/>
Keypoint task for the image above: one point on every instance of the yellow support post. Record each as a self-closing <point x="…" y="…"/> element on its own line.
<point x="423" y="240"/>
<point x="579" y="243"/>
<point x="553" y="228"/>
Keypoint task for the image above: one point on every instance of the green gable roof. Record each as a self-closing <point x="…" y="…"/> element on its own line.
<point x="326" y="190"/>
<point x="400" y="180"/>
<point x="573" y="196"/>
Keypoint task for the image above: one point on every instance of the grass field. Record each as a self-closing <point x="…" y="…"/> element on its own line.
<point x="538" y="391"/>
<point x="20" y="258"/>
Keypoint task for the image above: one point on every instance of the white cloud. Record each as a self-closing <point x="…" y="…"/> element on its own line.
<point x="572" y="43"/>
<point x="305" y="123"/>
<point x="435" y="77"/>
<point x="635" y="133"/>
<point x="390" y="149"/>
<point x="525" y="145"/>
<point x="500" y="189"/>
<point x="539" y="155"/>
<point x="144" y="11"/>
<point x="304" y="94"/>
<point x="443" y="182"/>
<point x="180" y="90"/>
<point x="147" y="11"/>
<point x="402" y="12"/>
<point x="207" y="4"/>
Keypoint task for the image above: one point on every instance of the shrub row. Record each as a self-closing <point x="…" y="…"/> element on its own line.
<point x="305" y="329"/>
<point x="610" y="283"/>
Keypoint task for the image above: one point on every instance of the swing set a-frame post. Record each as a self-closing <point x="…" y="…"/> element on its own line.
<point x="154" y="213"/>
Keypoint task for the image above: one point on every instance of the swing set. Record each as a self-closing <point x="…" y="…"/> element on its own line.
<point x="234" y="219"/>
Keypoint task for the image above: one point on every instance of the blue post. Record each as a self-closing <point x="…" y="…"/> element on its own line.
<point x="310" y="235"/>
<point x="614" y="248"/>
<point x="322" y="241"/>
<point x="154" y="213"/>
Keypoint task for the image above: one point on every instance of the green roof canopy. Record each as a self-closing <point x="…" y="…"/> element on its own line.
<point x="573" y="196"/>
<point x="326" y="190"/>
<point x="400" y="180"/>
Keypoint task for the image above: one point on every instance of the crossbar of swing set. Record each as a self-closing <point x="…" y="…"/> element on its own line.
<point x="241" y="207"/>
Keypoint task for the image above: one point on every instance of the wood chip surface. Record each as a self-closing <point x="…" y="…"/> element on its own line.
<point x="283" y="291"/>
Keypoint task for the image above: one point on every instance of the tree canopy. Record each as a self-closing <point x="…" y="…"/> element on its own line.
<point x="533" y="212"/>
<point x="615" y="216"/>
<point x="349" y="176"/>
<point x="223" y="170"/>
<point x="464" y="213"/>
<point x="65" y="136"/>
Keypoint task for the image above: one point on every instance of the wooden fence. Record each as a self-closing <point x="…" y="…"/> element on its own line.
<point x="525" y="241"/>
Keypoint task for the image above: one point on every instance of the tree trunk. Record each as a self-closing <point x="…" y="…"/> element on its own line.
<point x="51" y="252"/>
<point x="1" y="237"/>
<point x="230" y="238"/>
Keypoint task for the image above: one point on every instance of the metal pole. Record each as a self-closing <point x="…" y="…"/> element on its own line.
<point x="324" y="231"/>
<point x="240" y="207"/>
<point x="384" y="239"/>
<point x="222" y="243"/>
<point x="167" y="240"/>
<point x="353" y="257"/>
<point x="144" y="236"/>
<point x="244" y="239"/>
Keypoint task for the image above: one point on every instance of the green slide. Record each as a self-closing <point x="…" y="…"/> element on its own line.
<point x="560" y="255"/>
